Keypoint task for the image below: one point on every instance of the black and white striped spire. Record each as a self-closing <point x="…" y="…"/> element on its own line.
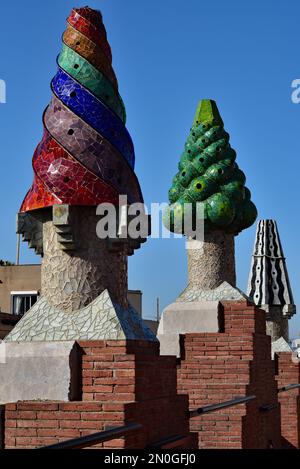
<point x="269" y="283"/>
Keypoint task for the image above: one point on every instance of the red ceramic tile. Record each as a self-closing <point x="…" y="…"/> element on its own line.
<point x="38" y="196"/>
<point x="95" y="34"/>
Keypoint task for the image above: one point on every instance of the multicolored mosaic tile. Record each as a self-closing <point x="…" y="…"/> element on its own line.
<point x="64" y="176"/>
<point x="89" y="77"/>
<point x="93" y="111"/>
<point x="86" y="156"/>
<point x="38" y="196"/>
<point x="92" y="150"/>
<point x="91" y="29"/>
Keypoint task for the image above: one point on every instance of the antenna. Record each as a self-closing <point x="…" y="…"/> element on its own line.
<point x="157" y="310"/>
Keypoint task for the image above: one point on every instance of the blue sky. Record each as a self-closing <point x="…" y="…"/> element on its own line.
<point x="168" y="54"/>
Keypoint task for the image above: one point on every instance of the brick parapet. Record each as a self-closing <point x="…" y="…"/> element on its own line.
<point x="123" y="382"/>
<point x="288" y="372"/>
<point x="216" y="367"/>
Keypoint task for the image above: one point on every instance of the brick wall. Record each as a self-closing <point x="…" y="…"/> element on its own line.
<point x="32" y="424"/>
<point x="122" y="382"/>
<point x="288" y="372"/>
<point x="220" y="366"/>
<point x="124" y="371"/>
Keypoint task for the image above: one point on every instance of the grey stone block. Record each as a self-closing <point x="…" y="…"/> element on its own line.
<point x="40" y="371"/>
<point x="280" y="345"/>
<point x="186" y="317"/>
<point x="169" y="344"/>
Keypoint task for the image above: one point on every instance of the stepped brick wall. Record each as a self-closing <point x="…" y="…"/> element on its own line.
<point x="288" y="372"/>
<point x="216" y="367"/>
<point x="122" y="382"/>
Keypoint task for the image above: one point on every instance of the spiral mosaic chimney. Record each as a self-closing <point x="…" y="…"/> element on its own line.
<point x="85" y="158"/>
<point x="86" y="155"/>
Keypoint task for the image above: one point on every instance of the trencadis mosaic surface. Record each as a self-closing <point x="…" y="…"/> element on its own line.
<point x="86" y="155"/>
<point x="208" y="173"/>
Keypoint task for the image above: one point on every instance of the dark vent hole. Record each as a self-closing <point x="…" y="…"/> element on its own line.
<point x="70" y="132"/>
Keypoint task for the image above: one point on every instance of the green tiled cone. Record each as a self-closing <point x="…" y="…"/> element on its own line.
<point x="208" y="173"/>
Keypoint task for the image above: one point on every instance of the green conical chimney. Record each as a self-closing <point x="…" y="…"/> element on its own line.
<point x="208" y="173"/>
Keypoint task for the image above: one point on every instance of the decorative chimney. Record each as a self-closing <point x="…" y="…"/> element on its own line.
<point x="85" y="158"/>
<point x="269" y="286"/>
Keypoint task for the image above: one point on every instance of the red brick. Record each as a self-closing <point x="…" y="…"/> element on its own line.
<point x="98" y="373"/>
<point x="102" y="416"/>
<point x="21" y="432"/>
<point x="9" y="441"/>
<point x="124" y="389"/>
<point x="35" y="405"/>
<point x="37" y="423"/>
<point x="116" y="343"/>
<point x="105" y="358"/>
<point x="124" y="373"/>
<point x="92" y="343"/>
<point x="80" y="406"/>
<point x="116" y="397"/>
<point x="87" y="366"/>
<point x="113" y="407"/>
<point x="10" y="423"/>
<point x="10" y="406"/>
<point x="59" y="415"/>
<point x="24" y="414"/>
<point x="125" y="358"/>
<point x="97" y="388"/>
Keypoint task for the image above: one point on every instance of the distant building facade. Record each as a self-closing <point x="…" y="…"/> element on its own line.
<point x="20" y="287"/>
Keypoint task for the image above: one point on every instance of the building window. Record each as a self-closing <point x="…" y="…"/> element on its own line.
<point x="21" y="302"/>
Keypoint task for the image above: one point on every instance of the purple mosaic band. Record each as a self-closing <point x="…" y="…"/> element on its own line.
<point x="91" y="149"/>
<point x="94" y="112"/>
